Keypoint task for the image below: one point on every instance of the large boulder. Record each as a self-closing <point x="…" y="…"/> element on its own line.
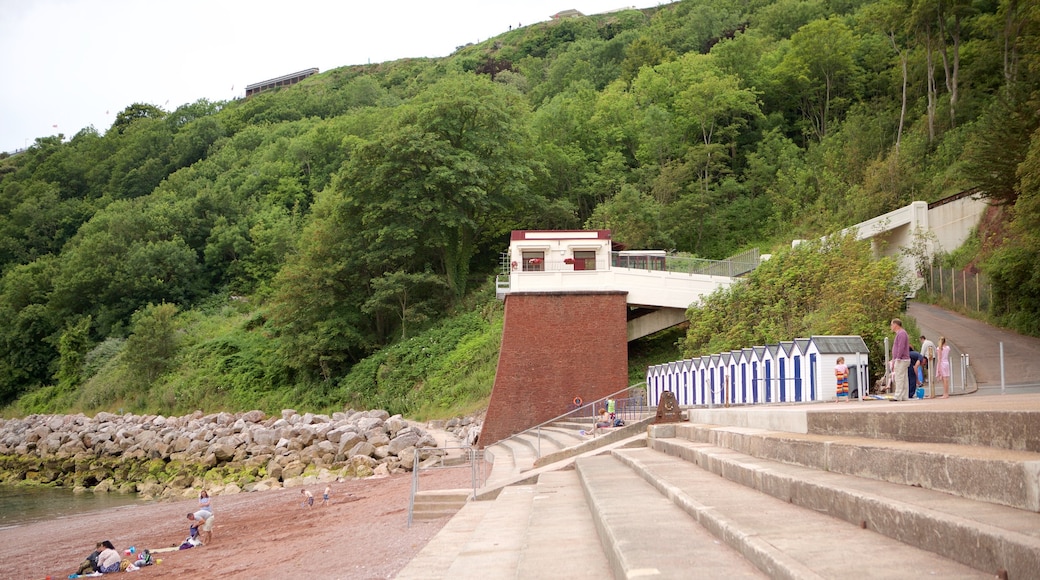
<point x="363" y="448"/>
<point x="408" y="439"/>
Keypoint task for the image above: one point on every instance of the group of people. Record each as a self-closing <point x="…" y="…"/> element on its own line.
<point x="201" y="526"/>
<point x="105" y="560"/>
<point x="308" y="497"/>
<point x="909" y="365"/>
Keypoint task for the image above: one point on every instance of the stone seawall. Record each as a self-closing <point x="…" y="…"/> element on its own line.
<point x="159" y="457"/>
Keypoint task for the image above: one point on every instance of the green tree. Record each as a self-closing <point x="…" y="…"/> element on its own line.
<point x="72" y="347"/>
<point x="153" y="341"/>
<point x="631" y="217"/>
<point x="442" y="174"/>
<point x="821" y="71"/>
<point x="410" y="297"/>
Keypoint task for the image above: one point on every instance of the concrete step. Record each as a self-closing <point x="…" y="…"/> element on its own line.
<point x="434" y="560"/>
<point x="539" y="443"/>
<point x="561" y="541"/>
<point x="982" y="535"/>
<point x="1010" y="478"/>
<point x="603" y="438"/>
<point x="503" y="466"/>
<point x="592" y="447"/>
<point x="493" y="550"/>
<point x="438" y="503"/>
<point x="979" y="421"/>
<point x="782" y="539"/>
<point x="568" y="436"/>
<point x="645" y="534"/>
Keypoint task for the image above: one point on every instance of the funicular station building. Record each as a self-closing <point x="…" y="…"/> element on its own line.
<point x="572" y="303"/>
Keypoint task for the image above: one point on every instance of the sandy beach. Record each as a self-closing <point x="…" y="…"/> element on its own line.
<point x="362" y="534"/>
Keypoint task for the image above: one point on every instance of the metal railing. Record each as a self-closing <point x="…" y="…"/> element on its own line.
<point x="472" y="458"/>
<point x="731" y="267"/>
<point x="625" y="408"/>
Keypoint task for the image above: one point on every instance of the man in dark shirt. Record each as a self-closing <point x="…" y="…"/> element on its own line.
<point x="916" y="360"/>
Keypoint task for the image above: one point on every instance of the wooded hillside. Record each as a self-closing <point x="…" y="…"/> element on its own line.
<point x="251" y="253"/>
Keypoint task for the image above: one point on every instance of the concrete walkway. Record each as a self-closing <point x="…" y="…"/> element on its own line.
<point x="981" y="341"/>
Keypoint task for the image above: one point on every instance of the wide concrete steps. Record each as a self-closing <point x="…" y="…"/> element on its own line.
<point x="530" y="531"/>
<point x="982" y="535"/>
<point x="646" y="535"/>
<point x="439" y="503"/>
<point x="774" y="537"/>
<point x="995" y="475"/>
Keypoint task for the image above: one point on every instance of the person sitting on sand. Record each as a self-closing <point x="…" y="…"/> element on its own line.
<point x="108" y="559"/>
<point x="91" y="563"/>
<point x="203" y="522"/>
<point x="308" y="498"/>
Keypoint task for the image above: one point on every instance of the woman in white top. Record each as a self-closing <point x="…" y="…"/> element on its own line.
<point x="108" y="560"/>
<point x="942" y="370"/>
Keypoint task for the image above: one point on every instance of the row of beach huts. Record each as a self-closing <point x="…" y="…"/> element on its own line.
<point x="795" y="371"/>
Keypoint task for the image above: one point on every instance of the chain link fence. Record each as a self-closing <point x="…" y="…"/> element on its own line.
<point x="968" y="290"/>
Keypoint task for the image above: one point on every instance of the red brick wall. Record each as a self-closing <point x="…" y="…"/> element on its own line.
<point x="556" y="346"/>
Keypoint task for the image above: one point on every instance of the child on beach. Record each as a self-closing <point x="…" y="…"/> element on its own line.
<point x="325" y="496"/>
<point x="308" y="500"/>
<point x="841" y="373"/>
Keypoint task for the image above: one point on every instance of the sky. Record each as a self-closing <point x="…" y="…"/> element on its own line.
<point x="69" y="64"/>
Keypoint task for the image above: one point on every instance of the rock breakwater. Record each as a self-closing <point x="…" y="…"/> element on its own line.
<point x="160" y="457"/>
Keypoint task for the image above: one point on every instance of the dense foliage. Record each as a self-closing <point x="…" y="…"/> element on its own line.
<point x="817" y="288"/>
<point x="257" y="252"/>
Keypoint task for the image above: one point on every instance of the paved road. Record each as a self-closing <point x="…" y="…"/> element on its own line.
<point x="981" y="342"/>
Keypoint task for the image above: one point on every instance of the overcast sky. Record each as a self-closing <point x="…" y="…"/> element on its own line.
<point x="69" y="64"/>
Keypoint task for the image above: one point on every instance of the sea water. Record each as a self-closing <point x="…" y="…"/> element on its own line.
<point x="23" y="505"/>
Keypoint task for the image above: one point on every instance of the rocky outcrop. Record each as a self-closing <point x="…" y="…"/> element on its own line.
<point x="465" y="429"/>
<point x="158" y="456"/>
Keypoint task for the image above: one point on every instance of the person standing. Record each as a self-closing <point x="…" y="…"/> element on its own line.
<point x="928" y="350"/>
<point x="841" y="374"/>
<point x="325" y="496"/>
<point x="204" y="503"/>
<point x="308" y="498"/>
<point x="900" y="359"/>
<point x="942" y="370"/>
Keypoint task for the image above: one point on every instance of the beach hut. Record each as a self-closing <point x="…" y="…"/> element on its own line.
<point x="757" y="386"/>
<point x="746" y="354"/>
<point x="714" y="384"/>
<point x="805" y="382"/>
<point x="726" y="376"/>
<point x="784" y="374"/>
<point x="686" y="371"/>
<point x="701" y="368"/>
<point x="653" y="378"/>
<point x="823" y="353"/>
<point x="799" y="389"/>
<point x="737" y="378"/>
<point x="771" y="382"/>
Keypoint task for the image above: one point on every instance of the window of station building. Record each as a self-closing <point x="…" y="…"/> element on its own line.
<point x="534" y="260"/>
<point x="585" y="260"/>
